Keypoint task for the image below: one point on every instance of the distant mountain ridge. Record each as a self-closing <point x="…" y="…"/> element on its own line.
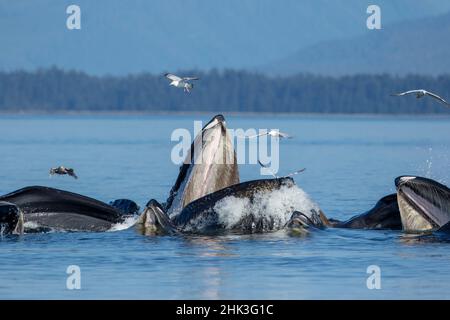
<point x="120" y="37"/>
<point x="413" y="47"/>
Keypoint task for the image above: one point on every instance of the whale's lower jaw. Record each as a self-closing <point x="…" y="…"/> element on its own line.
<point x="412" y="220"/>
<point x="424" y="204"/>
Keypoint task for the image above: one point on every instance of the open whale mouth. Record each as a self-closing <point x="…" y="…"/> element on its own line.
<point x="210" y="165"/>
<point x="424" y="203"/>
<point x="154" y="220"/>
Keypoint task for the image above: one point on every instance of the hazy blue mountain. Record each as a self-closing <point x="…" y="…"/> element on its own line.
<point x="420" y="46"/>
<point x="120" y="36"/>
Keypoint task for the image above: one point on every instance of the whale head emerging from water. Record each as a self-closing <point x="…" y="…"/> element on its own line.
<point x="256" y="206"/>
<point x="210" y="165"/>
<point x="11" y="218"/>
<point x="424" y="203"/>
<point x="155" y="221"/>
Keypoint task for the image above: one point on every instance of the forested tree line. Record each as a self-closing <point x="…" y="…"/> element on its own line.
<point x="55" y="90"/>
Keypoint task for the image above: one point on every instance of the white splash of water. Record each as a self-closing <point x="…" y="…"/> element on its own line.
<point x="275" y="204"/>
<point x="429" y="170"/>
<point x="127" y="223"/>
<point x="31" y="225"/>
<point x="435" y="165"/>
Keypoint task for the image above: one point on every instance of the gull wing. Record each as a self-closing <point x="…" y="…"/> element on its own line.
<point x="258" y="135"/>
<point x="172" y="77"/>
<point x="406" y="93"/>
<point x="190" y="78"/>
<point x="296" y="172"/>
<point x="284" y="135"/>
<point x="266" y="167"/>
<point x="71" y="173"/>
<point x="435" y="96"/>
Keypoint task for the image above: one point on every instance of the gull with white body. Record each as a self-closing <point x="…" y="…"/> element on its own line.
<point x="272" y="133"/>
<point x="180" y="82"/>
<point x="420" y="93"/>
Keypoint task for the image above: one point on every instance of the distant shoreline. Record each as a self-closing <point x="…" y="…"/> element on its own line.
<point x="57" y="91"/>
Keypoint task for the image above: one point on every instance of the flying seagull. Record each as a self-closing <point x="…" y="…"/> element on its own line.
<point x="277" y="177"/>
<point x="62" y="171"/>
<point x="272" y="133"/>
<point x="179" y="82"/>
<point x="420" y="93"/>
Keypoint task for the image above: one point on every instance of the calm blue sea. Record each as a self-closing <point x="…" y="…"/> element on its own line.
<point x="351" y="162"/>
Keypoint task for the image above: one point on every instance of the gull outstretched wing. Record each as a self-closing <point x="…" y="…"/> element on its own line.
<point x="405" y="93"/>
<point x="172" y="77"/>
<point x="435" y="96"/>
<point x="190" y="78"/>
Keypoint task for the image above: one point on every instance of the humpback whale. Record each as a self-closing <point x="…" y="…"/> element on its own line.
<point x="424" y="204"/>
<point x="208" y="198"/>
<point x="44" y="209"/>
<point x="241" y="208"/>
<point x="210" y="165"/>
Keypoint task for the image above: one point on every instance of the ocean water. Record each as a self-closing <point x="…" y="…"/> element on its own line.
<point x="350" y="161"/>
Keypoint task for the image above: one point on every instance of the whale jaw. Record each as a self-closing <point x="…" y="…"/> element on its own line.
<point x="210" y="165"/>
<point x="424" y="204"/>
<point x="154" y="221"/>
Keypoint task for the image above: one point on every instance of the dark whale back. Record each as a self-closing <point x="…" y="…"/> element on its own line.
<point x="384" y="215"/>
<point x="38" y="200"/>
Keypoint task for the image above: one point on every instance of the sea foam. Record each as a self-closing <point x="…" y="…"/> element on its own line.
<point x="126" y="224"/>
<point x="277" y="205"/>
